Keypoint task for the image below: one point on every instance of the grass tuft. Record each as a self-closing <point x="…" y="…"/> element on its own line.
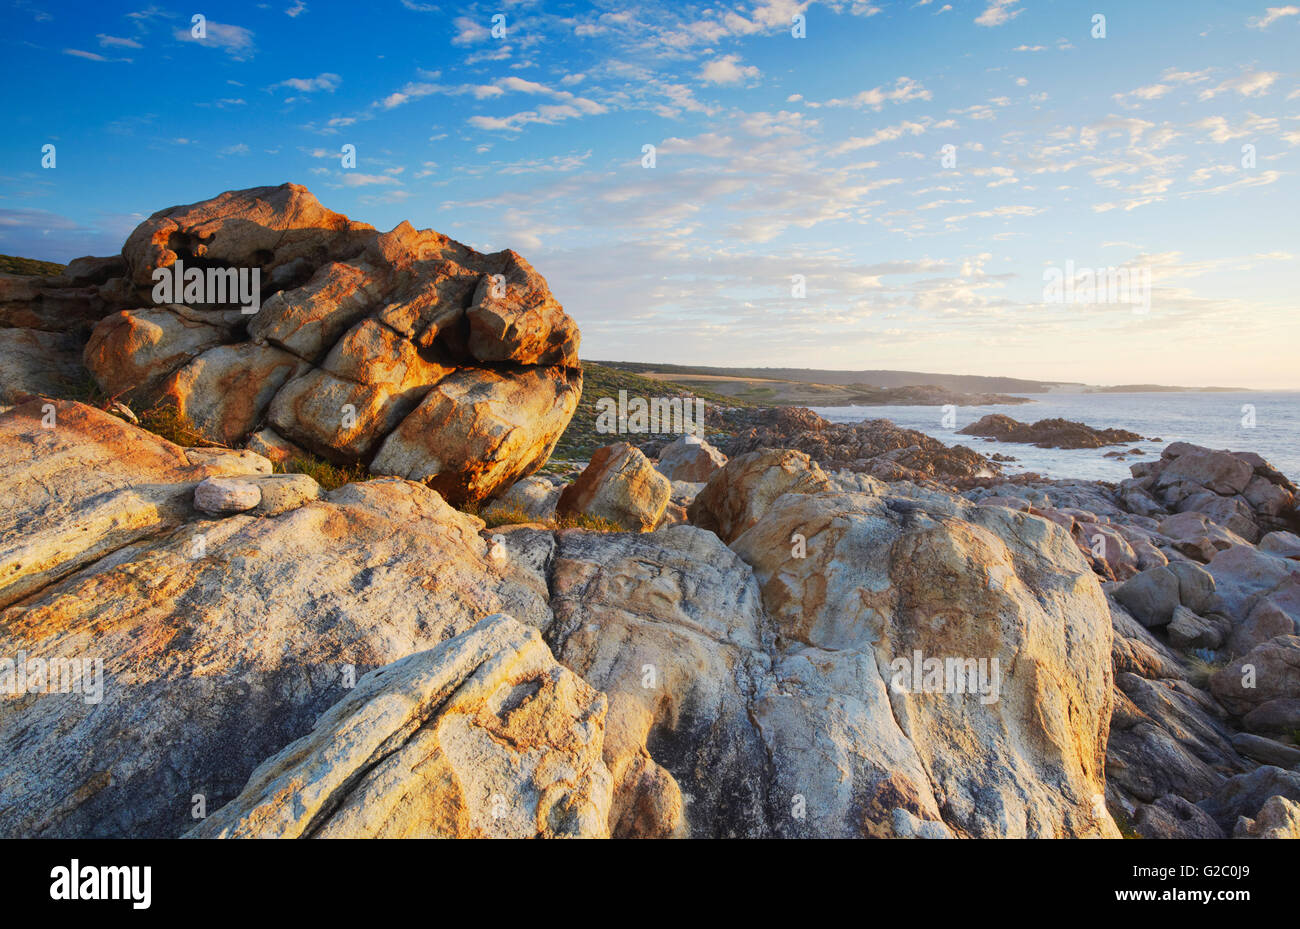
<point x="166" y="421"/>
<point x="514" y="516"/>
<point x="1200" y="669"/>
<point x="330" y="476"/>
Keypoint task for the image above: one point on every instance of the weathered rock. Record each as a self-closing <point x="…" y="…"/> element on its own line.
<point x="1269" y="671"/>
<point x="352" y="333"/>
<point x="670" y="625"/>
<point x="226" y="495"/>
<point x="221" y="640"/>
<point x="1106" y="549"/>
<point x="533" y="497"/>
<point x="621" y="485"/>
<point x="1190" y="630"/>
<point x="1220" y="472"/>
<point x="1271" y="615"/>
<point x="1151" y="596"/>
<point x="480" y="430"/>
<point x="277" y="229"/>
<point x="1278" y="818"/>
<point x="1244" y="576"/>
<point x="1197" y="536"/>
<point x="690" y="458"/>
<point x="1015" y="589"/>
<point x="1239" y="491"/>
<point x="483" y="736"/>
<point x="225" y="391"/>
<point x="274" y="447"/>
<point x="738" y="495"/>
<point x="1266" y="751"/>
<point x="284" y="492"/>
<point x="38" y="363"/>
<point x="1246" y="794"/>
<point x="1274" y="716"/>
<point x="131" y="353"/>
<point x="1048" y="433"/>
<point x="1286" y="544"/>
<point x="1137" y="651"/>
<point x="1172" y="817"/>
<point x="1167" y="737"/>
<point x="514" y="318"/>
<point x="1232" y="513"/>
<point x="79" y="484"/>
<point x="875" y="446"/>
<point x="70" y="304"/>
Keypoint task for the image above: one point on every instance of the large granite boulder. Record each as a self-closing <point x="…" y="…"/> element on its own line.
<point x="939" y="668"/>
<point x="690" y="458"/>
<point x="405" y="351"/>
<point x="621" y="485"/>
<point x="738" y="494"/>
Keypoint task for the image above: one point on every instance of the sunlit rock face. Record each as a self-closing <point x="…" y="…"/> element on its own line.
<point x="405" y="351"/>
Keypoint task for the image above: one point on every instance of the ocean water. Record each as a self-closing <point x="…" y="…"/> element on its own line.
<point x="1215" y="420"/>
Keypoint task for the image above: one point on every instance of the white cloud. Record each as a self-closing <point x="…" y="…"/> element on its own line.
<point x="352" y="179"/>
<point x="235" y="41"/>
<point x="903" y="90"/>
<point x="884" y="134"/>
<point x="998" y="12"/>
<point x="112" y="41"/>
<point x="469" y="31"/>
<point x="1272" y="15"/>
<point x="727" y="70"/>
<point x="327" y="82"/>
<point x="1248" y="84"/>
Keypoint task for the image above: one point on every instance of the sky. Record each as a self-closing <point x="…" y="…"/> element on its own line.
<point x="890" y="189"/>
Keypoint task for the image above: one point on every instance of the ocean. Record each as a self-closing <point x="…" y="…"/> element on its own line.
<point x="1212" y="419"/>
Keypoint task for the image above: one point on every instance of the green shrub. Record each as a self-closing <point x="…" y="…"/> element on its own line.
<point x="11" y="264"/>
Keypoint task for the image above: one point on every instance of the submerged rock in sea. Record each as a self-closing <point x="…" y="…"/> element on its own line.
<point x="1048" y="433"/>
<point x="876" y="446"/>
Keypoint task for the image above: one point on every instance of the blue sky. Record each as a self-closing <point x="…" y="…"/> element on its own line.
<point x="776" y="156"/>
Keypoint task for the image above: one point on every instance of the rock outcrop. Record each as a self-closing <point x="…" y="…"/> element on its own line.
<point x="738" y="495"/>
<point x="950" y="662"/>
<point x="695" y="689"/>
<point x="1048" y="433"/>
<point x="219" y="640"/>
<point x="484" y="736"/>
<point x="1238" y="491"/>
<point x="405" y="351"/>
<point x="876" y="446"/>
<point x="690" y="458"/>
<point x="620" y="485"/>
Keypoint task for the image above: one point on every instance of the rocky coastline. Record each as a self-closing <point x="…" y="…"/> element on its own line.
<point x="803" y="629"/>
